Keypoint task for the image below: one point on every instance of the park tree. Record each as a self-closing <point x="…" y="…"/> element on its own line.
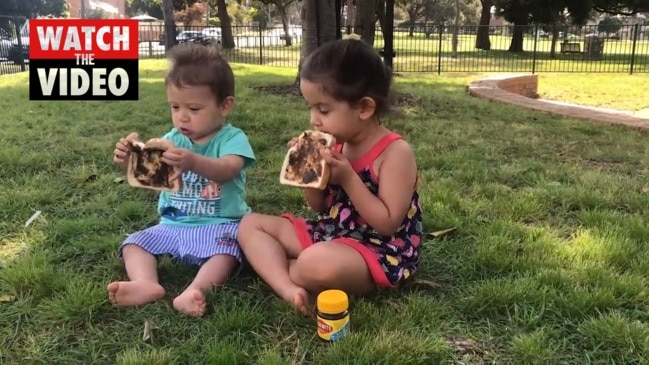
<point x="150" y="7"/>
<point x="516" y="12"/>
<point x="522" y="13"/>
<point x="623" y="7"/>
<point x="609" y="24"/>
<point x="227" y="38"/>
<point x="34" y="8"/>
<point x="415" y="10"/>
<point x="365" y="19"/>
<point x="282" y="7"/>
<point x="190" y="14"/>
<point x="318" y="26"/>
<point x="482" y="40"/>
<point x="170" y="24"/>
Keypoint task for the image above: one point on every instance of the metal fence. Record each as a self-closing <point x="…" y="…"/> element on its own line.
<point x="12" y="60"/>
<point x="428" y="48"/>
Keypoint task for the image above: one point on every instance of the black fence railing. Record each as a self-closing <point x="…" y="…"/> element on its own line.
<point x="422" y="48"/>
<point x="12" y="59"/>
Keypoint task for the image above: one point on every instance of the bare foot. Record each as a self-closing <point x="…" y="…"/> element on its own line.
<point x="134" y="293"/>
<point x="191" y="302"/>
<point x="302" y="300"/>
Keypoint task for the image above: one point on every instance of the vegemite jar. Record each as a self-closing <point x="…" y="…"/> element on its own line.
<point x="333" y="315"/>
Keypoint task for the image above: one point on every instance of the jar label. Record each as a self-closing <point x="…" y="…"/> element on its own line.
<point x="333" y="329"/>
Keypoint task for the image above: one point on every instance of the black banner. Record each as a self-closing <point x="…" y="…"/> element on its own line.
<point x="65" y="80"/>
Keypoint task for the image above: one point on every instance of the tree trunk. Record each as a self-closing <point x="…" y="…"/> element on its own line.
<point x="456" y="29"/>
<point x="284" y="16"/>
<point x="517" y="39"/>
<point x="380" y="14"/>
<point x="482" y="40"/>
<point x="170" y="24"/>
<point x="349" y="21"/>
<point x="365" y="20"/>
<point x="227" y="39"/>
<point x="318" y="26"/>
<point x="555" y="37"/>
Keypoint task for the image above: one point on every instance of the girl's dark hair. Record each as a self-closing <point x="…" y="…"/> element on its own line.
<point x="350" y="70"/>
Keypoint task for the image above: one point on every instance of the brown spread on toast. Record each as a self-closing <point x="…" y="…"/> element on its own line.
<point x="305" y="161"/>
<point x="149" y="170"/>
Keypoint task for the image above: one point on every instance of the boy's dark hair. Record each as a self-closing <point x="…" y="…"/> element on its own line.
<point x="349" y="70"/>
<point x="197" y="65"/>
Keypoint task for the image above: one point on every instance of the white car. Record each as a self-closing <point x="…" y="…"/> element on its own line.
<point x="212" y="33"/>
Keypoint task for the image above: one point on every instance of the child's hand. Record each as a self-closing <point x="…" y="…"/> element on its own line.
<point x="122" y="152"/>
<point x="341" y="169"/>
<point x="181" y="158"/>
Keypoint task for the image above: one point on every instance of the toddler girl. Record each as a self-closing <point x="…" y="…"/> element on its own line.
<point x="369" y="222"/>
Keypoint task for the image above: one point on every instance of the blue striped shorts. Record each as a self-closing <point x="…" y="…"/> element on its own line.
<point x="190" y="244"/>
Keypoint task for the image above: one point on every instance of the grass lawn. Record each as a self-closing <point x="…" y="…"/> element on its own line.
<point x="548" y="263"/>
<point x="626" y="92"/>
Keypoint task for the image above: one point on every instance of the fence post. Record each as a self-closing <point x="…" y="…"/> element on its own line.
<point x="261" y="45"/>
<point x="536" y="43"/>
<point x="636" y="30"/>
<point x="19" y="38"/>
<point x="439" y="49"/>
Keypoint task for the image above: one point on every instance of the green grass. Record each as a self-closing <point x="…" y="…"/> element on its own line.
<point x="626" y="92"/>
<point x="548" y="263"/>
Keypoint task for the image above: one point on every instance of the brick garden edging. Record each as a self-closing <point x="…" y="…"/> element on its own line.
<point x="521" y="90"/>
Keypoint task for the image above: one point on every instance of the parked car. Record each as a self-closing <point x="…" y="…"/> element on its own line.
<point x="213" y="34"/>
<point x="191" y="36"/>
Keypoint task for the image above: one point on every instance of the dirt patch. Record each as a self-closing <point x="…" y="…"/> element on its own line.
<point x="293" y="90"/>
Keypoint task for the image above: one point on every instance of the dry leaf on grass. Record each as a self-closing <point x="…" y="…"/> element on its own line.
<point x="438" y="234"/>
<point x="645" y="189"/>
<point x="428" y="283"/>
<point x="149" y="326"/>
<point x="7" y="298"/>
<point x="118" y="180"/>
<point x="466" y="346"/>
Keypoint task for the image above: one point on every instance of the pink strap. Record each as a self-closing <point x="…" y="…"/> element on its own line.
<point x="377" y="150"/>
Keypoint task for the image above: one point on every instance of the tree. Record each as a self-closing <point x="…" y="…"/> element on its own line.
<point x="482" y="40"/>
<point x="318" y="26"/>
<point x="151" y="7"/>
<point x="34" y="8"/>
<point x="227" y="39"/>
<point x="624" y="7"/>
<point x="170" y="24"/>
<point x="608" y="25"/>
<point x="282" y="8"/>
<point x="415" y="10"/>
<point x="365" y="20"/>
<point x="456" y="29"/>
<point x="516" y="12"/>
<point x="525" y="12"/>
<point x="190" y="14"/>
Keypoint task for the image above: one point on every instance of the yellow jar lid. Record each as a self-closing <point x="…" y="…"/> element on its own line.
<point x="332" y="301"/>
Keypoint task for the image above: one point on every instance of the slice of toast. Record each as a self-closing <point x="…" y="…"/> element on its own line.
<point x="145" y="167"/>
<point x="304" y="165"/>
